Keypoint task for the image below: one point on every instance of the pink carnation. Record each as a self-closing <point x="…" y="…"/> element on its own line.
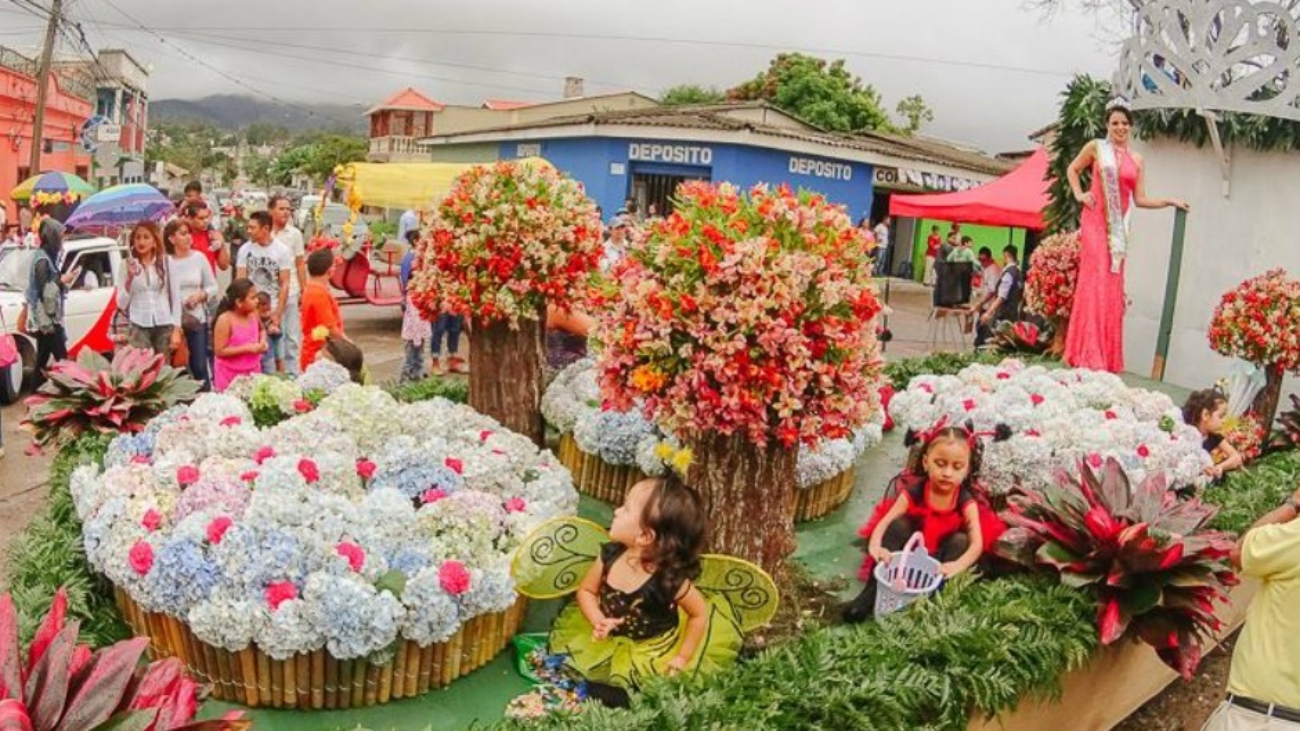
<point x="187" y="475"/>
<point x="249" y="476"/>
<point x="1036" y="398"/>
<point x="968" y="404"/>
<point x="453" y="577"/>
<point x="280" y="592"/>
<point x="139" y="459"/>
<point x="483" y="435"/>
<point x="308" y="470"/>
<point x="218" y="527"/>
<point x="232" y="421"/>
<point x="355" y="555"/>
<point x="302" y="406"/>
<point x="264" y="454"/>
<point x="365" y="468"/>
<point x="455" y="465"/>
<point x="1143" y="451"/>
<point x="515" y="505"/>
<point x="152" y="520"/>
<point x="1110" y="415"/>
<point x="432" y="496"/>
<point x="1094" y="459"/>
<point x="141" y="557"/>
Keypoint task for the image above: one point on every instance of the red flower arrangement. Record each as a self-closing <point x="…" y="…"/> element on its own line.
<point x="1257" y="321"/>
<point x="1053" y="272"/>
<point x="508" y="239"/>
<point x="750" y="314"/>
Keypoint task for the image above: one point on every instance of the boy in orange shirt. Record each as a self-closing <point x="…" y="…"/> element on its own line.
<point x="319" y="308"/>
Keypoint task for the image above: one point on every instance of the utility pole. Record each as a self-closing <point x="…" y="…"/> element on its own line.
<point x="43" y="85"/>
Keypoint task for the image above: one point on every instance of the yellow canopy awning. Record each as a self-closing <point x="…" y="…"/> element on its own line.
<point x="415" y="185"/>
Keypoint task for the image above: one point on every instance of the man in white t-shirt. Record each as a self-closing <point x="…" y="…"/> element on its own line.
<point x="286" y="233"/>
<point x="268" y="263"/>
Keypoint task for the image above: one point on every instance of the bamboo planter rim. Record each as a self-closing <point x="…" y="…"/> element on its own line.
<point x="608" y="483"/>
<point x="316" y="680"/>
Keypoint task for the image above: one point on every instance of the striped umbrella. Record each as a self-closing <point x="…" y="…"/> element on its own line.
<point x="67" y="186"/>
<point x="121" y="205"/>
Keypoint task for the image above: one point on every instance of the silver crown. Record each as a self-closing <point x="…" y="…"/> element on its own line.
<point x="1118" y="102"/>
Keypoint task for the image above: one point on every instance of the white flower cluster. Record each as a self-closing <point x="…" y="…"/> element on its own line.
<point x="347" y="527"/>
<point x="572" y="404"/>
<point x="1057" y="419"/>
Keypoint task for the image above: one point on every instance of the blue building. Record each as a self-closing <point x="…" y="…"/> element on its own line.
<point x="643" y="154"/>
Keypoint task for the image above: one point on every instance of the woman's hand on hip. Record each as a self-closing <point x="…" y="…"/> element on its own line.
<point x="1086" y="199"/>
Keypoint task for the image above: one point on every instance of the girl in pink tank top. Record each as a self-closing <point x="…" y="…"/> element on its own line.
<point x="238" y="339"/>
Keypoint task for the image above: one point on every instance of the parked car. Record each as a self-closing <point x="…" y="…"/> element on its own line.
<point x="91" y="301"/>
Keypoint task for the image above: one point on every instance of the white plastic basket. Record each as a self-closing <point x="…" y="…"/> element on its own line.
<point x="907" y="576"/>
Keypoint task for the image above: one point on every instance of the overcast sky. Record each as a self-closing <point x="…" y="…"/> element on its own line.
<point x="991" y="69"/>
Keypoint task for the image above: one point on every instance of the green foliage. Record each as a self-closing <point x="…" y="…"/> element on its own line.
<point x="824" y="94"/>
<point x="978" y="646"/>
<point x="452" y="389"/>
<point x="1244" y="495"/>
<point x="261" y="133"/>
<point x="916" y="112"/>
<point x="49" y="554"/>
<point x="691" y="94"/>
<point x="901" y="372"/>
<point x="316" y="155"/>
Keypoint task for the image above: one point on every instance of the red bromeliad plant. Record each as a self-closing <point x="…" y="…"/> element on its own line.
<point x="91" y="394"/>
<point x="1155" y="568"/>
<point x="1012" y="338"/>
<point x="62" y="685"/>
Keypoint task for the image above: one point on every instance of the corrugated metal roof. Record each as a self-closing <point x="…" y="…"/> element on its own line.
<point x="716" y="117"/>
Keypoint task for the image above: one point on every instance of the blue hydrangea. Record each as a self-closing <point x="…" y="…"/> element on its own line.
<point x="254" y="557"/>
<point x="126" y="447"/>
<point x="182" y="576"/>
<point x="354" y="617"/>
<point x="612" y="435"/>
<point x="409" y="561"/>
<point x="412" y="474"/>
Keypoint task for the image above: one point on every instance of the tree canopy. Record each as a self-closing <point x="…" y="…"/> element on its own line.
<point x="823" y="93"/>
<point x="691" y="94"/>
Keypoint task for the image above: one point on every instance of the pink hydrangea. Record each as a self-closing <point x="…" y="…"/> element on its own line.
<point x="454" y="577"/>
<point x="355" y="554"/>
<point x="279" y="593"/>
<point x="152" y="520"/>
<point x="140" y="557"/>
<point x="365" y="468"/>
<point x="217" y="528"/>
<point x="309" y="471"/>
<point x="187" y="475"/>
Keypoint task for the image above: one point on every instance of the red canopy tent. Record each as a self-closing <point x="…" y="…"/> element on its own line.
<point x="1016" y="199"/>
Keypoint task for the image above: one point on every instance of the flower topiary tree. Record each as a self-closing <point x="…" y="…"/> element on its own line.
<point x="508" y="240"/>
<point x="1049" y="285"/>
<point x="1256" y="322"/>
<point x="745" y="324"/>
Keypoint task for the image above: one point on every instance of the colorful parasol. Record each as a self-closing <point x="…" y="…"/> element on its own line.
<point x="52" y="188"/>
<point x="121" y="205"/>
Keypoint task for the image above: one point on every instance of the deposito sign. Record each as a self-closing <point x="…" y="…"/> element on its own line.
<point x="679" y="154"/>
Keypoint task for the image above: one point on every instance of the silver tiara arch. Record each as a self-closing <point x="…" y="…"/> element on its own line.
<point x="1213" y="56"/>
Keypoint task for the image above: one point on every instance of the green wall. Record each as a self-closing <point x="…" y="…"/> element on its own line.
<point x="994" y="237"/>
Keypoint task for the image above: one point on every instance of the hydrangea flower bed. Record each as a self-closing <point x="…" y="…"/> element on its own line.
<point x="572" y="404"/>
<point x="349" y="526"/>
<point x="1057" y="418"/>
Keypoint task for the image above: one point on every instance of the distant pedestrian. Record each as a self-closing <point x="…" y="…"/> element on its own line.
<point x="415" y="329"/>
<point x="193" y="286"/>
<point x="283" y="231"/>
<point x="931" y="255"/>
<point x="145" y="294"/>
<point x="963" y="253"/>
<point x="45" y="294"/>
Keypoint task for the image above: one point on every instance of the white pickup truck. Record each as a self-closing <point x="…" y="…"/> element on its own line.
<point x="90" y="311"/>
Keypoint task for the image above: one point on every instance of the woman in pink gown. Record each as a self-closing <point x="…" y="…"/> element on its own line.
<point x="1096" y="336"/>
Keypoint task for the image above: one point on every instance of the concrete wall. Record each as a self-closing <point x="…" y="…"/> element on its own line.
<point x="1228" y="240"/>
<point x="485" y="152"/>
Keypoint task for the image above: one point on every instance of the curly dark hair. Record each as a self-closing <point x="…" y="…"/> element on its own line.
<point x="1207" y="399"/>
<point x="921" y="447"/>
<point x="675" y="512"/>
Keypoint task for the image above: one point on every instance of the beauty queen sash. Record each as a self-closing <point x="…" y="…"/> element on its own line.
<point x="1108" y="158"/>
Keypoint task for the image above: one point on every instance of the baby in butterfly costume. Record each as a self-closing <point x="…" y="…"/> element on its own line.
<point x="648" y="603"/>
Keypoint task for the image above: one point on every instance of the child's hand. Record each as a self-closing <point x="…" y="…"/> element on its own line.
<point x="950" y="569"/>
<point x="274" y="329"/>
<point x="881" y="554"/>
<point x="1213" y="470"/>
<point x="678" y="664"/>
<point x="601" y="629"/>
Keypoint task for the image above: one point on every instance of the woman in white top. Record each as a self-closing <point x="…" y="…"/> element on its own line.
<point x="145" y="294"/>
<point x="193" y="286"/>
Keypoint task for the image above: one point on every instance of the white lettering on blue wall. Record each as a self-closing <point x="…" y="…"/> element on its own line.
<point x="821" y="168"/>
<point x="529" y="149"/>
<point x="680" y="154"/>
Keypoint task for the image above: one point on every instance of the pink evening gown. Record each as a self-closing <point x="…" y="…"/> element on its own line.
<point x="1096" y="336"/>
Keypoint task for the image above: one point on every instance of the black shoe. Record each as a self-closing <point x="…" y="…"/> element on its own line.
<point x="608" y="695"/>
<point x="863" y="607"/>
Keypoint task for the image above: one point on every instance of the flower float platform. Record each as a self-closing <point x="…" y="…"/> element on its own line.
<point x="608" y="452"/>
<point x="316" y="544"/>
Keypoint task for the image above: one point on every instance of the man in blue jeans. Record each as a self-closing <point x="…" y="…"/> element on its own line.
<point x="446" y="325"/>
